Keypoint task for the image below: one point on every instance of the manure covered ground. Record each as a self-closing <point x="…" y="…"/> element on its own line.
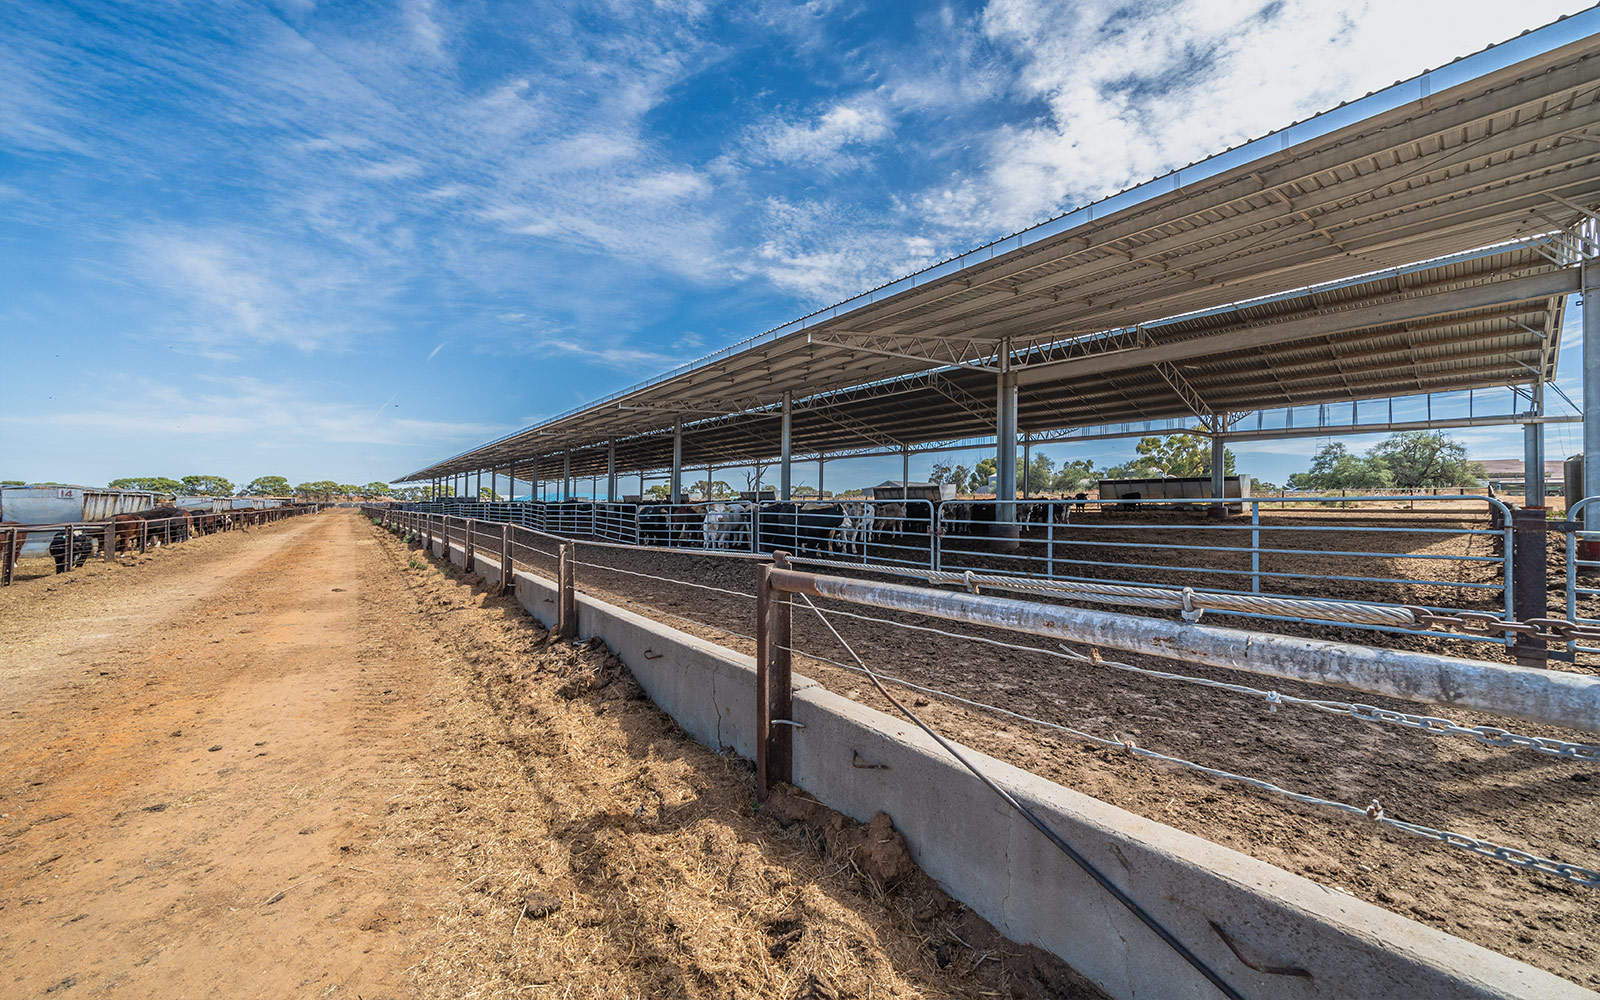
<point x="307" y="761"/>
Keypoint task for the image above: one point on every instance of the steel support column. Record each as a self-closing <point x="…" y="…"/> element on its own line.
<point x="675" y="490"/>
<point x="821" y="478"/>
<point x="1219" y="467"/>
<point x="783" y="449"/>
<point x="1005" y="431"/>
<point x="611" y="471"/>
<point x="1591" y="392"/>
<point x="566" y="476"/>
<point x="1533" y="453"/>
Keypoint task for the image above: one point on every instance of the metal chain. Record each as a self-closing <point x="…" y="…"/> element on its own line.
<point x="1492" y="735"/>
<point x="1484" y="622"/>
<point x="1432" y="724"/>
<point x="1577" y="874"/>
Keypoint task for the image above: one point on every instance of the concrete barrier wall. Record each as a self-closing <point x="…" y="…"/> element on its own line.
<point x="1240" y="915"/>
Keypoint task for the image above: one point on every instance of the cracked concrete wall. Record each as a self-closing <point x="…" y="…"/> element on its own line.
<point x="1267" y="932"/>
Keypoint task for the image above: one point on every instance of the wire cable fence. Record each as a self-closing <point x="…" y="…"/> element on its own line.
<point x="726" y="608"/>
<point x="1375" y="810"/>
<point x="71" y="544"/>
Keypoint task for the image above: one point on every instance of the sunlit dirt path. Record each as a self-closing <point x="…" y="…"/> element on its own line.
<point x="189" y="753"/>
<point x="306" y="761"/>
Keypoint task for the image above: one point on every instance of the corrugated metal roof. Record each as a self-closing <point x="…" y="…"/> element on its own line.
<point x="1477" y="153"/>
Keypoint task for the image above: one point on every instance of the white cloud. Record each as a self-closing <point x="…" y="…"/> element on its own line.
<point x="833" y="140"/>
<point x="822" y="251"/>
<point x="249" y="409"/>
<point x="1127" y="93"/>
<point x="238" y="289"/>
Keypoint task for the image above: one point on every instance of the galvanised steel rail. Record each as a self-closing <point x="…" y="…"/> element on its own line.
<point x="1096" y="542"/>
<point x="1551" y="697"/>
<point x="1086" y="540"/>
<point x="1582" y="559"/>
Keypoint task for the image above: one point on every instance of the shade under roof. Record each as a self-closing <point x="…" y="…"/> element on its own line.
<point x="1102" y="312"/>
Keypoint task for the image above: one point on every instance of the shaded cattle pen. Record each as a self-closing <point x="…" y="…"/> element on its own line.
<point x="1401" y="263"/>
<point x="1047" y="709"/>
<point x="1439" y="555"/>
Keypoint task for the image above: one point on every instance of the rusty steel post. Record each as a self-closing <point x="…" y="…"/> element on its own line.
<point x="567" y="597"/>
<point x="144" y="535"/>
<point x="1530" y="584"/>
<point x="466" y="563"/>
<point x="507" y="571"/>
<point x="111" y="542"/>
<point x="774" y="685"/>
<point x="8" y="557"/>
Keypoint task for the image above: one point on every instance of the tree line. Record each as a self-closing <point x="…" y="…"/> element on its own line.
<point x="1176" y="455"/>
<point x="1407" y="460"/>
<point x="322" y="490"/>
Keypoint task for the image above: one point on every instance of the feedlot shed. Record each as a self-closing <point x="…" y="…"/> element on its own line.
<point x="1422" y="239"/>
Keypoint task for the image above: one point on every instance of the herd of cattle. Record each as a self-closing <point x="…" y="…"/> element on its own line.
<point x="71" y="548"/>
<point x="845" y="528"/>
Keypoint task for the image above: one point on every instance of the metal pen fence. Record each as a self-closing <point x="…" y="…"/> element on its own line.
<point x="1456" y="554"/>
<point x="1583" y="560"/>
<point x="74" y="543"/>
<point x="891" y="532"/>
<point x="1452" y="555"/>
<point x="1541" y="698"/>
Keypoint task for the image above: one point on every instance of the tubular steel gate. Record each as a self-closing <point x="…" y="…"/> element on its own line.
<point x="1286" y="547"/>
<point x="1449" y="561"/>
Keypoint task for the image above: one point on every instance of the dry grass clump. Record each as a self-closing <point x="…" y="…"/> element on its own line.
<point x="600" y="852"/>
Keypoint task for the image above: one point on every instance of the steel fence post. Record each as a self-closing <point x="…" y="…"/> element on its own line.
<point x="1573" y="528"/>
<point x="507" y="574"/>
<point x="1050" y="539"/>
<point x="1530" y="588"/>
<point x="8" y="557"/>
<point x="774" y="692"/>
<point x="466" y="543"/>
<point x="111" y="542"/>
<point x="1255" y="547"/>
<point x="566" y="597"/>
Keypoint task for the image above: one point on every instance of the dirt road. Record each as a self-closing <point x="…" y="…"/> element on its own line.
<point x="304" y="762"/>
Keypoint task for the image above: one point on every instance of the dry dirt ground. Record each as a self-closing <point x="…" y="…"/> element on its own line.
<point x="306" y="761"/>
<point x="1517" y="798"/>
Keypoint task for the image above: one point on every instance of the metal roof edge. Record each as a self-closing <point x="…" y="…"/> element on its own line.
<point x="1495" y="58"/>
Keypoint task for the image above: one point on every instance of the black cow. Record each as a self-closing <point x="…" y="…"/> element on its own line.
<point x="796" y="528"/>
<point x="169" y="524"/>
<point x="82" y="549"/>
<point x="655" y="525"/>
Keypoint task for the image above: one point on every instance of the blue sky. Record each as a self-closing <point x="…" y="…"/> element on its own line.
<point x="344" y="240"/>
